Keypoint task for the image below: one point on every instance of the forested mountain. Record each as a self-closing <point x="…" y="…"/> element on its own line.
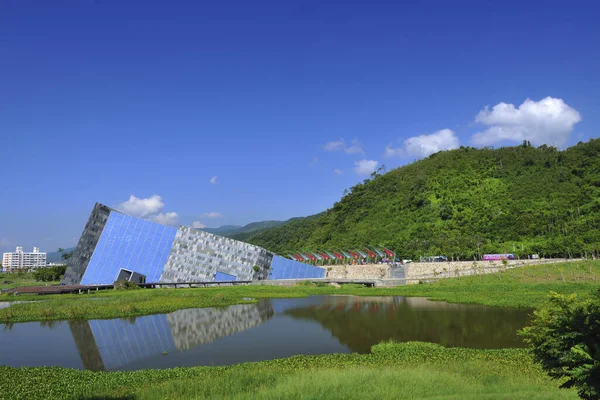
<point x="464" y="203"/>
<point x="233" y="230"/>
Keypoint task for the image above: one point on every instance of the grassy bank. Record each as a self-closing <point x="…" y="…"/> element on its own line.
<point x="527" y="287"/>
<point x="12" y="280"/>
<point x="391" y="371"/>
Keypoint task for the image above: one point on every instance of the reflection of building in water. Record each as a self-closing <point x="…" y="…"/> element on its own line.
<point x="112" y="344"/>
<point x="194" y="327"/>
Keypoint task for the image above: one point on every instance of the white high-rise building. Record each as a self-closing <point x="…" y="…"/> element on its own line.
<point x="23" y="260"/>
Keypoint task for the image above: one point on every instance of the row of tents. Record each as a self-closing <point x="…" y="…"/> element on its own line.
<point x="372" y="254"/>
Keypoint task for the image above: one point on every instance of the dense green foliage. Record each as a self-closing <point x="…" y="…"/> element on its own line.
<point x="565" y="334"/>
<point x="50" y="274"/>
<point x="464" y="203"/>
<point x="392" y="371"/>
<point x="523" y="287"/>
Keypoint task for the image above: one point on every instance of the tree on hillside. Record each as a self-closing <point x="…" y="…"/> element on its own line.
<point x="63" y="255"/>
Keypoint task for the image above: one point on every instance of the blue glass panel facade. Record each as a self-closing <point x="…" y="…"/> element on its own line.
<point x="129" y="243"/>
<point x="223" y="277"/>
<point x="283" y="268"/>
<point x="121" y="342"/>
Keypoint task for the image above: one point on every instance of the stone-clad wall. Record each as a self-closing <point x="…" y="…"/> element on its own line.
<point x="427" y="270"/>
<point x="369" y="271"/>
<point x="193" y="327"/>
<point x="197" y="256"/>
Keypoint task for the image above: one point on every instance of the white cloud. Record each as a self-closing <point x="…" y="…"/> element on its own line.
<point x="354" y="148"/>
<point x="365" y="167"/>
<point x="170" y="218"/>
<point x="340" y="145"/>
<point x="335" y="145"/>
<point x="338" y="171"/>
<point x="4" y="242"/>
<point x="424" y="145"/>
<point x="198" y="225"/>
<point x="149" y="208"/>
<point x="393" y="152"/>
<point x="142" y="208"/>
<point x="313" y="162"/>
<point x="213" y="180"/>
<point x="548" y="121"/>
<point x="213" y="214"/>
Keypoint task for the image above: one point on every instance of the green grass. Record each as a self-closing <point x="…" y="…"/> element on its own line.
<point x="409" y="370"/>
<point x="19" y="280"/>
<point x="392" y="371"/>
<point x="521" y="287"/>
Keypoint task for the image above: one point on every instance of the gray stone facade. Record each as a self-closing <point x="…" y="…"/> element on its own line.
<point x="197" y="256"/>
<point x="193" y="327"/>
<point x="78" y="263"/>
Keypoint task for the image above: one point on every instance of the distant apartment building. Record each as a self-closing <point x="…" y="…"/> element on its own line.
<point x="23" y="260"/>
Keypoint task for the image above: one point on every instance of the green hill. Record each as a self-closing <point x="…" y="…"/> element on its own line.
<point x="235" y="230"/>
<point x="464" y="203"/>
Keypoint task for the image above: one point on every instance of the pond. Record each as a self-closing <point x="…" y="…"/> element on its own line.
<point x="269" y="329"/>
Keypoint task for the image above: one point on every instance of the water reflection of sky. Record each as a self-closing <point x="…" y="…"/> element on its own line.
<point x="251" y="332"/>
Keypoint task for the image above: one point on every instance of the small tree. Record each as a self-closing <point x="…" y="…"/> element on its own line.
<point x="565" y="335"/>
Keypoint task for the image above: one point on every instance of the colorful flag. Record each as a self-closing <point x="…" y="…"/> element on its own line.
<point x="338" y="255"/>
<point x="353" y="254"/>
<point x="310" y="256"/>
<point x="389" y="252"/>
<point x="325" y="256"/>
<point x="346" y="254"/>
<point x="317" y="255"/>
<point x="362" y="253"/>
<point x="379" y="253"/>
<point x="370" y="253"/>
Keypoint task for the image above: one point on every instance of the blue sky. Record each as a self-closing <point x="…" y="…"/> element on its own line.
<point x="285" y="103"/>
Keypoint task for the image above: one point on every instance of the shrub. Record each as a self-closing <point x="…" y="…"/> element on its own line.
<point x="50" y="274"/>
<point x="125" y="285"/>
<point x="565" y="335"/>
<point x="256" y="268"/>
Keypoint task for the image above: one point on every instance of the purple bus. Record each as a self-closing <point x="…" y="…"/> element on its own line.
<point x="494" y="257"/>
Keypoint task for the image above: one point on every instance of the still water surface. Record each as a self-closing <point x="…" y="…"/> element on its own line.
<point x="270" y="329"/>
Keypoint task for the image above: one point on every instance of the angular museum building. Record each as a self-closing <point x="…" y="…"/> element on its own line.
<point x="115" y="246"/>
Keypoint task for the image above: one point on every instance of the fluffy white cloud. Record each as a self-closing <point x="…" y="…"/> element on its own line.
<point x="213" y="180"/>
<point x="548" y="121"/>
<point x="365" y="167"/>
<point x="142" y="208"/>
<point x="198" y="225"/>
<point x="213" y="214"/>
<point x="424" y="145"/>
<point x="340" y="145"/>
<point x="313" y="162"/>
<point x="149" y="208"/>
<point x="338" y="171"/>
<point x="170" y="218"/>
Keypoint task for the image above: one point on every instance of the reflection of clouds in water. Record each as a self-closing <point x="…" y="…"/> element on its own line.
<point x="194" y="327"/>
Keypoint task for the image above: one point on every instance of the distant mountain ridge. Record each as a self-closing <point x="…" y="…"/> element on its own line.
<point x="234" y="230"/>
<point x="55" y="256"/>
